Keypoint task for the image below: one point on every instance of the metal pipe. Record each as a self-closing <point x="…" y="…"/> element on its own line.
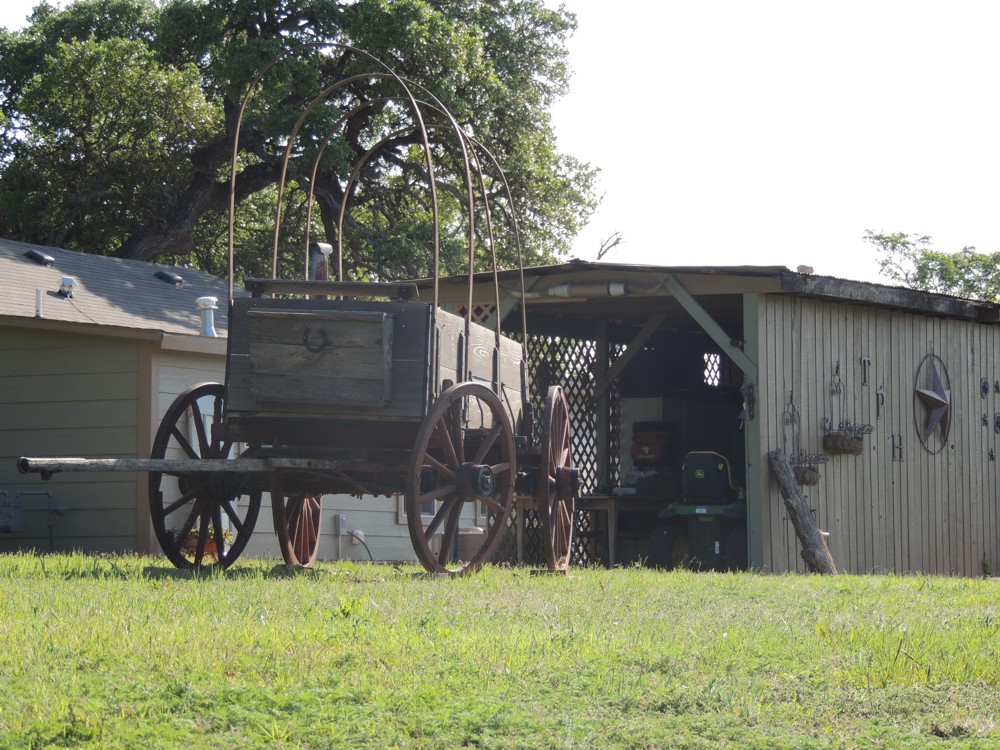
<point x="206" y="308"/>
<point x="54" y="508"/>
<point x="579" y="289"/>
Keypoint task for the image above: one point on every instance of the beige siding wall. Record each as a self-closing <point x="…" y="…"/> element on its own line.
<point x="385" y="530"/>
<point x="170" y="374"/>
<point x="69" y="395"/>
<point x="179" y="371"/>
<point x="927" y="512"/>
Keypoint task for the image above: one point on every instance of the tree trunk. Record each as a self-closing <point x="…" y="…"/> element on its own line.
<point x="814" y="550"/>
<point x="173" y="232"/>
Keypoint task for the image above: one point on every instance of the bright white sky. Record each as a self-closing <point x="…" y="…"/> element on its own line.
<point x="775" y="132"/>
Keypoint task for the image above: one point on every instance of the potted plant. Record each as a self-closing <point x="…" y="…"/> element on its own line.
<point x="189" y="544"/>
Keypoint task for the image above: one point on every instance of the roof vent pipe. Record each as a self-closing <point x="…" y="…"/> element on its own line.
<point x="319" y="261"/>
<point x="206" y="308"/>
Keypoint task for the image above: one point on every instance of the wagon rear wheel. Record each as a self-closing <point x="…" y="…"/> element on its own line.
<point x="297" y="524"/>
<point x="558" y="481"/>
<point x="200" y="519"/>
<point x="464" y="451"/>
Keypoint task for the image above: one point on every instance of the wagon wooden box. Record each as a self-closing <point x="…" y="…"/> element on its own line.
<point x="297" y="366"/>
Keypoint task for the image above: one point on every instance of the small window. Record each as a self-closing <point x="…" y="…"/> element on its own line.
<point x="713" y="370"/>
<point x="427" y="510"/>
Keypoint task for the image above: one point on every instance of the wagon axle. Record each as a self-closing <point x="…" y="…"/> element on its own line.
<point x="567" y="483"/>
<point x="476" y="481"/>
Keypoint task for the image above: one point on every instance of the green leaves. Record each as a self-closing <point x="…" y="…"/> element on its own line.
<point x="107" y="133"/>
<point x="120" y="117"/>
<point x="910" y="260"/>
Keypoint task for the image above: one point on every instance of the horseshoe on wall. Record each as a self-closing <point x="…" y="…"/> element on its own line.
<point x="323" y="343"/>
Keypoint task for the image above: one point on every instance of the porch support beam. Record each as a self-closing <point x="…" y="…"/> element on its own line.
<point x="713" y="329"/>
<point x="632" y="349"/>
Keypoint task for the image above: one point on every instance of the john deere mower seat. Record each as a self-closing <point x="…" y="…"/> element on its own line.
<point x="706" y="479"/>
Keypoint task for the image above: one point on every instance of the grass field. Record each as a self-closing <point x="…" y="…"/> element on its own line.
<point x="125" y="652"/>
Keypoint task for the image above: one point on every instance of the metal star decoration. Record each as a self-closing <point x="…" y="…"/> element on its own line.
<point x="937" y="402"/>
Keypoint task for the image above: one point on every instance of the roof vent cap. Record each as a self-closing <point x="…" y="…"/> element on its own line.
<point x="170" y="277"/>
<point x="206" y="308"/>
<point x="40" y="258"/>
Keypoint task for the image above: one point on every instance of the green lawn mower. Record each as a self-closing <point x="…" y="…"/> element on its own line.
<point x="707" y="528"/>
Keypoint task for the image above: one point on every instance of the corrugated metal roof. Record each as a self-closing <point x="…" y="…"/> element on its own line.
<point x="787" y="282"/>
<point x="109" y="291"/>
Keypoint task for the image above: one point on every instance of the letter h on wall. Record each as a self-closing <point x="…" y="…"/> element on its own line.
<point x="897" y="447"/>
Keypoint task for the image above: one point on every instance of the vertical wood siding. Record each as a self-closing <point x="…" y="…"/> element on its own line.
<point x="934" y="513"/>
<point x="70" y="395"/>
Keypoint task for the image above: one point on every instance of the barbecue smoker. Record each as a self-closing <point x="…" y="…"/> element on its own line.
<point x="360" y="388"/>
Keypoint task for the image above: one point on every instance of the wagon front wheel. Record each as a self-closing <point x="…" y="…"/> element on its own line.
<point x="201" y="519"/>
<point x="558" y="481"/>
<point x="463" y="455"/>
<point x="297" y="525"/>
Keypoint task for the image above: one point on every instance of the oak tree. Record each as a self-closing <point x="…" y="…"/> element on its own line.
<point x="119" y="117"/>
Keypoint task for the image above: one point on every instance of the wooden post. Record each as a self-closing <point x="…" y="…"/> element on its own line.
<point x="814" y="550"/>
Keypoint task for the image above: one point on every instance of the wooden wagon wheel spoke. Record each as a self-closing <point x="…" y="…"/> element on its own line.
<point x="505" y="468"/>
<point x="450" y="533"/>
<point x="184" y="444"/>
<point x="567" y="516"/>
<point x="443" y="512"/>
<point x="182" y="501"/>
<point x="199" y="554"/>
<point x="297" y="519"/>
<point x="488" y="443"/>
<point x="234" y="517"/>
<point x="437" y="493"/>
<point x="557" y="480"/>
<point x="303" y="533"/>
<point x="492" y="504"/>
<point x="439" y="467"/>
<point x="306" y="532"/>
<point x="450" y="430"/>
<point x="199" y="428"/>
<point x="191" y="520"/>
<point x="223" y="506"/>
<point x="441" y="429"/>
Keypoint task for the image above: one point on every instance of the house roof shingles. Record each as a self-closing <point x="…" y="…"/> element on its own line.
<point x="109" y="291"/>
